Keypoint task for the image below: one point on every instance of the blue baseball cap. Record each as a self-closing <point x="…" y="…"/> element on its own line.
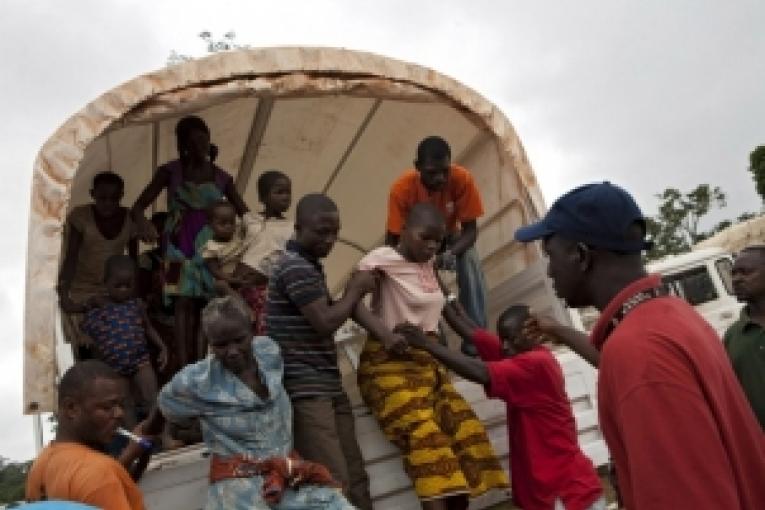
<point x="599" y="215"/>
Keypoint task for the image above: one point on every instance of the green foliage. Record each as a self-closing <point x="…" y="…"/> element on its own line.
<point x="757" y="167"/>
<point x="13" y="476"/>
<point x="676" y="228"/>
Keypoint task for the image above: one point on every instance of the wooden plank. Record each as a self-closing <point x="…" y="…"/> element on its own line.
<point x="254" y="140"/>
<point x="352" y="145"/>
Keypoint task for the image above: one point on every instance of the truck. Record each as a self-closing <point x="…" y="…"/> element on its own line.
<point x="703" y="278"/>
<point x="337" y="121"/>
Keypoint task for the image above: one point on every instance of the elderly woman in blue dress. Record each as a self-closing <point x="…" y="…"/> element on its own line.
<point x="246" y="417"/>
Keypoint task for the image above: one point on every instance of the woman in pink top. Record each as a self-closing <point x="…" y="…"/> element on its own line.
<point x="446" y="451"/>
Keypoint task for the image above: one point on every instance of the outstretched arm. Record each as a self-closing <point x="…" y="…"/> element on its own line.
<point x="326" y="317"/>
<point x="469" y="368"/>
<point x="544" y="328"/>
<point x="391" y="341"/>
<point x="459" y="321"/>
<point x="466" y="239"/>
<point x="146" y="231"/>
<point x="154" y="338"/>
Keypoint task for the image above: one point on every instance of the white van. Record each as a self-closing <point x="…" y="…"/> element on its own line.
<point x="703" y="278"/>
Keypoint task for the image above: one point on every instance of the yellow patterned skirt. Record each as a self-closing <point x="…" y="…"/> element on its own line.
<point x="445" y="448"/>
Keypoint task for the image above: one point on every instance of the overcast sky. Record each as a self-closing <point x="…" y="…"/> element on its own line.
<point x="647" y="94"/>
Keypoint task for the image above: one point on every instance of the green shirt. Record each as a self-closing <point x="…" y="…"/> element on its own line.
<point x="745" y="343"/>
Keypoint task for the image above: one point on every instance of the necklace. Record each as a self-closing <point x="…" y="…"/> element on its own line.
<point x="634" y="301"/>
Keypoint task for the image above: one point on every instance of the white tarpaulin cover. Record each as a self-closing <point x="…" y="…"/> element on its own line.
<point x="736" y="237"/>
<point x="339" y="121"/>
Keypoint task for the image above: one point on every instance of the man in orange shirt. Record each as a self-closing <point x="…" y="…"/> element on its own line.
<point x="453" y="191"/>
<point x="73" y="467"/>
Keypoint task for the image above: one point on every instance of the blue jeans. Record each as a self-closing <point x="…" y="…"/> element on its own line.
<point x="472" y="286"/>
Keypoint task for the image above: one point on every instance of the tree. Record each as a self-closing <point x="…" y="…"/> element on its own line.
<point x="228" y="42"/>
<point x="757" y="167"/>
<point x="13" y="477"/>
<point x="676" y="228"/>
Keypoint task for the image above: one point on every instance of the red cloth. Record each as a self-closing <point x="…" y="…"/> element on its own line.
<point x="680" y="430"/>
<point x="545" y="460"/>
<point x="278" y="473"/>
<point x="255" y="297"/>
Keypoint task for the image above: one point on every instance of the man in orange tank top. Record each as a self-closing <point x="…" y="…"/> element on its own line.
<point x="73" y="466"/>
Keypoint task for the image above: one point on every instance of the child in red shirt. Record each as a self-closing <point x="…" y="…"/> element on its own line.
<point x="549" y="470"/>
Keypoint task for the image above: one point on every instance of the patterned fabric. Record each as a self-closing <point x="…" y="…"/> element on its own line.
<point x="118" y="334"/>
<point x="445" y="447"/>
<point x="310" y="358"/>
<point x="236" y="421"/>
<point x="255" y="297"/>
<point x="186" y="232"/>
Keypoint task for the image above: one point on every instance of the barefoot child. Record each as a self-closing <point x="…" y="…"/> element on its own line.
<point x="548" y="469"/>
<point x="119" y="327"/>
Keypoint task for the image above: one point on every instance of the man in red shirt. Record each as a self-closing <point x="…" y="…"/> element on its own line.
<point x="453" y="191"/>
<point x="680" y="431"/>
<point x="548" y="468"/>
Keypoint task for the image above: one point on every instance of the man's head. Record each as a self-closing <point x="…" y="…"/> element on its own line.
<point x="591" y="234"/>
<point x="227" y="324"/>
<point x="510" y="330"/>
<point x="317" y="224"/>
<point x="91" y="397"/>
<point x="106" y="192"/>
<point x="433" y="161"/>
<point x="423" y="233"/>
<point x="120" y="278"/>
<point x="749" y="274"/>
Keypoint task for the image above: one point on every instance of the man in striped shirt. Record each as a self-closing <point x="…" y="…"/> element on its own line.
<point x="302" y="318"/>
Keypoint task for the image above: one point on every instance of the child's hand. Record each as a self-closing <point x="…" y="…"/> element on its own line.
<point x="413" y="335"/>
<point x="162" y="359"/>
